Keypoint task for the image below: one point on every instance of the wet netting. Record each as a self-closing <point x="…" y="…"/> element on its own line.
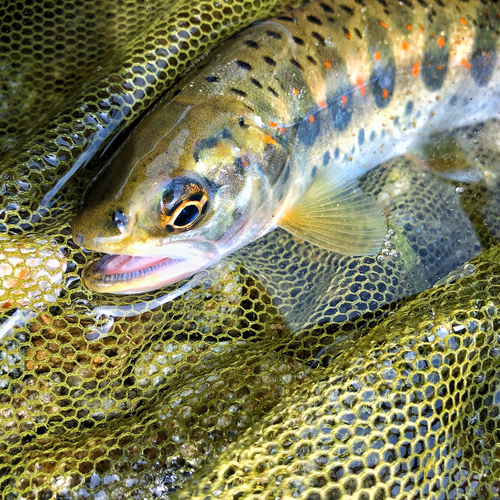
<point x="288" y="371"/>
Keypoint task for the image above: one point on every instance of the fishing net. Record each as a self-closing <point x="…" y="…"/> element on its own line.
<point x="287" y="371"/>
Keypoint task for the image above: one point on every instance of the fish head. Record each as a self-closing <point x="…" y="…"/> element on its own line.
<point x="190" y="185"/>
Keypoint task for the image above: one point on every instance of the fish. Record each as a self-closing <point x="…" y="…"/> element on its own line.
<point x="274" y="128"/>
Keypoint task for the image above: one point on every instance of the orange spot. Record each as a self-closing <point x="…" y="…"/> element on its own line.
<point x="416" y="69"/>
<point x="404" y="45"/>
<point x="422" y="29"/>
<point x="383" y="24"/>
<point x="440" y="67"/>
<point x="344" y="100"/>
<point x="273" y="124"/>
<point x="282" y="130"/>
<point x="311" y="119"/>
<point x="348" y="34"/>
<point x="385" y="93"/>
<point x="441" y="42"/>
<point x="377" y="56"/>
<point x="361" y="85"/>
<point x="465" y="63"/>
<point x="268" y="140"/>
<point x="409" y="27"/>
<point x="322" y="104"/>
<point x="245" y="163"/>
<point x="295" y="91"/>
<point x="327" y="64"/>
<point x="463" y="21"/>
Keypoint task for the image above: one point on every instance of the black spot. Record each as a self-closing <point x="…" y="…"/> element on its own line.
<point x="483" y="64"/>
<point x="241" y="122"/>
<point x="361" y="136"/>
<point x="311" y="60"/>
<point x="176" y="92"/>
<point x="243" y="65"/>
<point x="336" y="154"/>
<point x="211" y="79"/>
<point x="318" y="37"/>
<point x="383" y="81"/>
<point x="347" y="10"/>
<point x="239" y="92"/>
<point x="326" y="158"/>
<point x="341" y="108"/>
<point x="275" y="94"/>
<point x="326" y="8"/>
<point x="396" y="120"/>
<point x="407" y="3"/>
<point x="256" y="83"/>
<point x="314" y="171"/>
<point x="251" y="43"/>
<point x="195" y="197"/>
<point x="308" y="131"/>
<point x="169" y="228"/>
<point x="296" y="64"/>
<point x="285" y="18"/>
<point x="422" y="3"/>
<point x="358" y="33"/>
<point x="409" y="108"/>
<point x="298" y="40"/>
<point x="314" y="20"/>
<point x="273" y="34"/>
<point x="286" y="173"/>
<point x="372" y="135"/>
<point x="269" y="61"/>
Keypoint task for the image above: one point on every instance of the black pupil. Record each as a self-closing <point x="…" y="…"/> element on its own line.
<point x="187" y="216"/>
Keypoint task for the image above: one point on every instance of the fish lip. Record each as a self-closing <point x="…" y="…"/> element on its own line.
<point x="141" y="273"/>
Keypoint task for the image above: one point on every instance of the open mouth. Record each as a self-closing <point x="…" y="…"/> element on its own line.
<point x="118" y="268"/>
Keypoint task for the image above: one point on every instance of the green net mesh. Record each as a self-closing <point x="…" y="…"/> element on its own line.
<point x="289" y="371"/>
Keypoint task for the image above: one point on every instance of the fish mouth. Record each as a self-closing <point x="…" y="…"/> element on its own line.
<point x="125" y="274"/>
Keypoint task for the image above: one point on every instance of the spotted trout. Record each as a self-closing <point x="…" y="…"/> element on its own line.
<point x="274" y="128"/>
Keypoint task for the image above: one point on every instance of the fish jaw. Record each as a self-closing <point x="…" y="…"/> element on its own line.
<point x="125" y="274"/>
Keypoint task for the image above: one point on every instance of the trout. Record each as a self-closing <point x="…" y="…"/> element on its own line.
<point x="275" y="127"/>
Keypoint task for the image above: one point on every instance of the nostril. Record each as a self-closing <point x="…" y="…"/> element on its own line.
<point x="78" y="239"/>
<point x="119" y="218"/>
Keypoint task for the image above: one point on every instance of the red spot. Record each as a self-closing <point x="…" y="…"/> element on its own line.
<point x="245" y="163"/>
<point x="273" y="124"/>
<point x="347" y="34"/>
<point x="311" y="119"/>
<point x="409" y="27"/>
<point x="344" y="100"/>
<point x="361" y="86"/>
<point x="441" y="42"/>
<point x="440" y="67"/>
<point x="422" y="29"/>
<point x="385" y="93"/>
<point x="322" y="104"/>
<point x="416" y="69"/>
<point x="404" y="45"/>
<point x="377" y="56"/>
<point x="327" y="64"/>
<point x="463" y="21"/>
<point x="465" y="63"/>
<point x="295" y="91"/>
<point x="268" y="140"/>
<point x="282" y="130"/>
<point x="383" y="24"/>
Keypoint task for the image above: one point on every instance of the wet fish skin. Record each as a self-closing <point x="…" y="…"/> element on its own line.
<point x="314" y="97"/>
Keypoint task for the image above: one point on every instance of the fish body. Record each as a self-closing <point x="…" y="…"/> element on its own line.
<point x="273" y="128"/>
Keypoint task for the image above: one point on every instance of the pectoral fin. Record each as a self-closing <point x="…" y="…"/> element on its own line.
<point x="334" y="213"/>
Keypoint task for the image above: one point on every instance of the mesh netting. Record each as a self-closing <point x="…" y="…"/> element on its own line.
<point x="289" y="371"/>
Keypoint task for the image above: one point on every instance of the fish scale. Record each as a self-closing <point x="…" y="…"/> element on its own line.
<point x="274" y="127"/>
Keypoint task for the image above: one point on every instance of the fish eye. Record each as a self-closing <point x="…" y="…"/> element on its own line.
<point x="186" y="216"/>
<point x="182" y="205"/>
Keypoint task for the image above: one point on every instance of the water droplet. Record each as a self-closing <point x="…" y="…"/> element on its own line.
<point x="459" y="189"/>
<point x="395" y="254"/>
<point x="380" y="259"/>
<point x="469" y="269"/>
